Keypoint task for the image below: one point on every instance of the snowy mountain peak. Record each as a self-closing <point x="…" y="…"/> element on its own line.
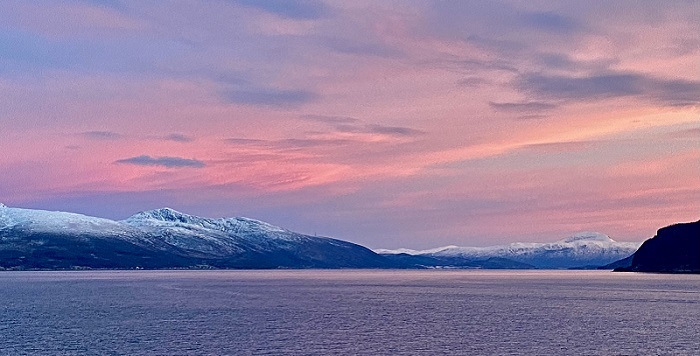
<point x="582" y="249"/>
<point x="164" y="238"/>
<point x="588" y="236"/>
<point x="57" y="222"/>
<point x="168" y="216"/>
<point x="163" y="214"/>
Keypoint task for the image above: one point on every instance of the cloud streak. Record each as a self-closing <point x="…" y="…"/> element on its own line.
<point x="277" y="98"/>
<point x="350" y="125"/>
<point x="396" y="131"/>
<point x="102" y="135"/>
<point x="298" y="10"/>
<point x="673" y="92"/>
<point x="177" y="137"/>
<point x="522" y="107"/>
<point x="167" y="162"/>
<point x="330" y="119"/>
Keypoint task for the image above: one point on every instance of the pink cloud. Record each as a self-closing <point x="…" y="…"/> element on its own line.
<point x="389" y="125"/>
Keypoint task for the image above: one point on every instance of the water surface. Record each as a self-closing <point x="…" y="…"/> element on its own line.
<point x="345" y="312"/>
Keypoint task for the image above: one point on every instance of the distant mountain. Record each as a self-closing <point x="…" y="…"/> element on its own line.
<point x="583" y="250"/>
<point x="405" y="260"/>
<point x="165" y="238"/>
<point x="675" y="249"/>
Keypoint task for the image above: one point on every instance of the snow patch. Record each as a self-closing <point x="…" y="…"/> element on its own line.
<point x="56" y="222"/>
<point x="415" y="252"/>
<point x="168" y="216"/>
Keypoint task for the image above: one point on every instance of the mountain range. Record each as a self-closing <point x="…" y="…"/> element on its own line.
<point x="165" y="238"/>
<point x="583" y="250"/>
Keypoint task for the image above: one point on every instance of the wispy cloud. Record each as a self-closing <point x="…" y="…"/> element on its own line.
<point x="299" y="10"/>
<point x="309" y="142"/>
<point x="279" y="98"/>
<point x="168" y="162"/>
<point x="611" y="85"/>
<point x="350" y="125"/>
<point x="177" y="137"/>
<point x="361" y="48"/>
<point x="289" y="143"/>
<point x="522" y="107"/>
<point x="244" y="141"/>
<point x="380" y="129"/>
<point x="331" y="119"/>
<point x="472" y="66"/>
<point x="530" y="117"/>
<point x="102" y="135"/>
<point x="564" y="61"/>
<point x="559" y="147"/>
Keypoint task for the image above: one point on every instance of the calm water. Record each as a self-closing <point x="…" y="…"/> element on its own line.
<point x="348" y="312"/>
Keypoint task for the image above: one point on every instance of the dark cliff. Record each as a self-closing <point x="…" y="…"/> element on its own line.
<point x="674" y="249"/>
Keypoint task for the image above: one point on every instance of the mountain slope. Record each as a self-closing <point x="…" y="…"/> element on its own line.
<point x="580" y="250"/>
<point x="165" y="238"/>
<point x="248" y="243"/>
<point x="675" y="248"/>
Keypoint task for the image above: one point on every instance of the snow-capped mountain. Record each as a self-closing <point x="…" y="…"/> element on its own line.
<point x="218" y="237"/>
<point x="41" y="221"/>
<point x="249" y="240"/>
<point x="581" y="250"/>
<point x="165" y="238"/>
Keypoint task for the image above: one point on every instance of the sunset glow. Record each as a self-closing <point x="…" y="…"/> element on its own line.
<point x="391" y="124"/>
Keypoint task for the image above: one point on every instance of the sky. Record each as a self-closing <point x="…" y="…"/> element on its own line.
<point x="391" y="124"/>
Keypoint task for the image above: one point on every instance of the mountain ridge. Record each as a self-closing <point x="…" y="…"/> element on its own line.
<point x="167" y="238"/>
<point x="579" y="250"/>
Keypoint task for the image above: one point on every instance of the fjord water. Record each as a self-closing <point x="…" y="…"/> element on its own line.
<point x="348" y="312"/>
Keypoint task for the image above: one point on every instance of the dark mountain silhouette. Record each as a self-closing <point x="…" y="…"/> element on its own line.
<point x="674" y="249"/>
